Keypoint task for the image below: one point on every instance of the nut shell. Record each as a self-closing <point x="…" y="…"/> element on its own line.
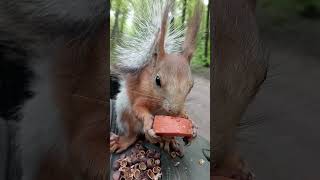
<point x="116" y="175"/>
<point x="157" y="162"/>
<point x="150" y="174"/>
<point x="142" y="166"/>
<point x="150" y="163"/>
<point x="156" y="170"/>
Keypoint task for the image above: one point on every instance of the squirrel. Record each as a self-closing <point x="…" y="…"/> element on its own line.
<point x="239" y="69"/>
<point x="63" y="43"/>
<point x="154" y="63"/>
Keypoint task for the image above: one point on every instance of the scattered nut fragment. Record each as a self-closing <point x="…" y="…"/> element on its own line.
<point x="142" y="163"/>
<point x="116" y="165"/>
<point x="116" y="175"/>
<point x="122" y="156"/>
<point x="142" y="166"/>
<point x="156" y="155"/>
<point x="150" y="174"/>
<point x="157" y="176"/>
<point x="176" y="164"/>
<point x="136" y="173"/>
<point x="156" y="170"/>
<point x="157" y="162"/>
<point x="173" y="154"/>
<point x="142" y="152"/>
<point x="201" y="162"/>
<point x="123" y="163"/>
<point x="123" y="169"/>
<point x="150" y="163"/>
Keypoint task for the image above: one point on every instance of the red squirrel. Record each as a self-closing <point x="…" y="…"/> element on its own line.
<point x="155" y="65"/>
<point x="62" y="130"/>
<point x="240" y="66"/>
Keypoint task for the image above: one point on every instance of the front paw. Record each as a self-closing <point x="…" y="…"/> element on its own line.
<point x="184" y="114"/>
<point x="151" y="136"/>
<point x="171" y="146"/>
<point x="149" y="133"/>
<point x="188" y="140"/>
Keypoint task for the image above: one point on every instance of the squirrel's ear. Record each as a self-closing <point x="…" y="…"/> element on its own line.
<point x="189" y="44"/>
<point x="161" y="41"/>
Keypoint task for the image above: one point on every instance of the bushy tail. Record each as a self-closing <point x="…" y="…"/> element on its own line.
<point x="134" y="51"/>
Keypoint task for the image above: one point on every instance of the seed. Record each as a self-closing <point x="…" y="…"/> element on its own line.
<point x="150" y="163"/>
<point x="116" y="175"/>
<point x="157" y="162"/>
<point x="156" y="170"/>
<point x="142" y="166"/>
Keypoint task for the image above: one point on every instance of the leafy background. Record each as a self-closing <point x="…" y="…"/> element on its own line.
<point x="120" y="20"/>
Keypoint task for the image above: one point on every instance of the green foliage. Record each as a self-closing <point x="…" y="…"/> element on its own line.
<point x="124" y="7"/>
<point x="283" y="8"/>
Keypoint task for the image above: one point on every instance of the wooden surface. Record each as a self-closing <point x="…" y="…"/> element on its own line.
<point x="188" y="168"/>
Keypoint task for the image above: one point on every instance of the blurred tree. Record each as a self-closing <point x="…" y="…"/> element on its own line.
<point x="206" y="42"/>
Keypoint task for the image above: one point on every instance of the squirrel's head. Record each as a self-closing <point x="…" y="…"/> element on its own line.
<point x="171" y="74"/>
<point x="172" y="80"/>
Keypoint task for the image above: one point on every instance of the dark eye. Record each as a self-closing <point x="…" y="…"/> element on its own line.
<point x="158" y="81"/>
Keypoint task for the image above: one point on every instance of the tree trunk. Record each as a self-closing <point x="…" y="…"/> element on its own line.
<point x="184" y="11"/>
<point x="207" y="37"/>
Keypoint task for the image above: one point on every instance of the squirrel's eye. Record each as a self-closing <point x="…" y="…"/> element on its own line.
<point x="158" y="81"/>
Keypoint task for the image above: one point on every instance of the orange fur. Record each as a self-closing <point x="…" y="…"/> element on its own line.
<point x="80" y="84"/>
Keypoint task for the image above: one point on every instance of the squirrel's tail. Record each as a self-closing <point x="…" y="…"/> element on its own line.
<point x="135" y="49"/>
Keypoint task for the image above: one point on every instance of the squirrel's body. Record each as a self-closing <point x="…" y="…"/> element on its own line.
<point x="156" y="74"/>
<point x="62" y="126"/>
